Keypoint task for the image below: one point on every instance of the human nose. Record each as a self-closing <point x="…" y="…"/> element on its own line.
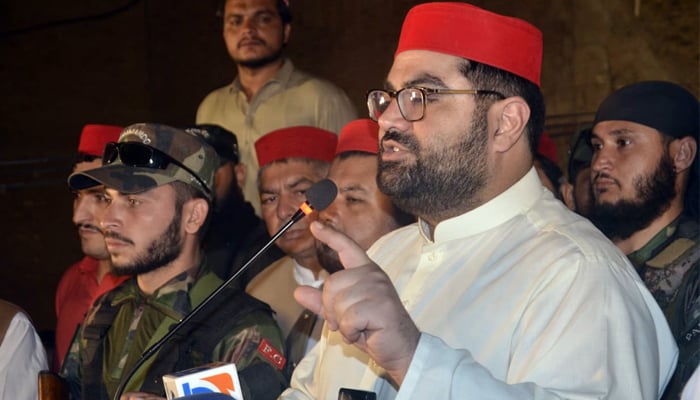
<point x="286" y="207"/>
<point x="79" y="209"/>
<point x="602" y="159"/>
<point x="392" y="118"/>
<point x="249" y="24"/>
<point x="109" y="217"/>
<point x="330" y="215"/>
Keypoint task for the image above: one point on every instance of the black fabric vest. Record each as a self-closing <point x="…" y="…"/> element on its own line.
<point x="189" y="347"/>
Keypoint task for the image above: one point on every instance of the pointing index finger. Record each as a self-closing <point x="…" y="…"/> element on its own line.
<point x="350" y="253"/>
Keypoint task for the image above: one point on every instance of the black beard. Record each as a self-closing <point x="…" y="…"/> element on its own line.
<point x="440" y="181"/>
<point x="160" y="252"/>
<point x="328" y="258"/>
<point x="620" y="220"/>
<point x="262" y="61"/>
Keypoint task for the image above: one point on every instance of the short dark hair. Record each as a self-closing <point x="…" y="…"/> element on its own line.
<point x="486" y="77"/>
<point x="285" y="13"/>
<point x="184" y="193"/>
<point x="351" y="153"/>
<point x="282" y="8"/>
<point x="84" y="157"/>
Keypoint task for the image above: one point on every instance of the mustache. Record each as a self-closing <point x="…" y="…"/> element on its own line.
<point x="251" y="39"/>
<point x="89" y="226"/>
<point x="603" y="175"/>
<point x="115" y="235"/>
<point x="409" y="142"/>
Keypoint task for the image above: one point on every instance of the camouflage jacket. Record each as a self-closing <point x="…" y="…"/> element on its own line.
<point x="668" y="264"/>
<point x="251" y="339"/>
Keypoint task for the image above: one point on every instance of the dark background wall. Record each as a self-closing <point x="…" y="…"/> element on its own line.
<point x="65" y="64"/>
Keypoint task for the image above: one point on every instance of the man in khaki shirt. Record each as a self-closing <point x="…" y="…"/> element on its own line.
<point x="268" y="93"/>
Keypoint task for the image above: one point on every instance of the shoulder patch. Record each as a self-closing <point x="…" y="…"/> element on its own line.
<point x="671" y="253"/>
<point x="272" y="354"/>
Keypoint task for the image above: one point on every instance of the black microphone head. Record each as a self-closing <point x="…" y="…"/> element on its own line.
<point x="321" y="194"/>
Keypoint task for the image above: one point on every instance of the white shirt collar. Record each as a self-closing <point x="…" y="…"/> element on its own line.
<point x="304" y="276"/>
<point x="516" y="199"/>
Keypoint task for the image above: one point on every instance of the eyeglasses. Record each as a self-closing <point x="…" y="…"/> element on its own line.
<point x="136" y="154"/>
<point x="412" y="100"/>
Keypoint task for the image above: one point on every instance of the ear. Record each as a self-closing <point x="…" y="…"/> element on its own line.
<point x="683" y="152"/>
<point x="240" y="170"/>
<point x="194" y="213"/>
<point x="286" y="32"/>
<point x="512" y="119"/>
<point x="567" y="195"/>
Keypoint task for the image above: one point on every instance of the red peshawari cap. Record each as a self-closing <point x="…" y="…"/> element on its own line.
<point x="94" y="138"/>
<point x="359" y="135"/>
<point x="296" y="142"/>
<point x="547" y="147"/>
<point x="466" y="31"/>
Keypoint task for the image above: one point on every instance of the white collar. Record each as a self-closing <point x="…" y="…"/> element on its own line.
<point x="513" y="201"/>
<point x="304" y="276"/>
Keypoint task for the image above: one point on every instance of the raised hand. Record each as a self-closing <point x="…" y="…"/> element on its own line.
<point x="360" y="302"/>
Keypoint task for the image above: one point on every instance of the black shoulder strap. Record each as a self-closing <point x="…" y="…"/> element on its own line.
<point x="193" y="344"/>
<point x="92" y="355"/>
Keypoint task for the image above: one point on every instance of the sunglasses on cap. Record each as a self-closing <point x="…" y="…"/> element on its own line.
<point x="135" y="154"/>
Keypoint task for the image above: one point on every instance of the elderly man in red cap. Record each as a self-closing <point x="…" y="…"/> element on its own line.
<point x="361" y="210"/>
<point x="291" y="161"/>
<point x="499" y="291"/>
<point x="90" y="277"/>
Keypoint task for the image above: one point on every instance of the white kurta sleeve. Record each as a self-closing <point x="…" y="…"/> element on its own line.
<point x="22" y="356"/>
<point x="303" y="376"/>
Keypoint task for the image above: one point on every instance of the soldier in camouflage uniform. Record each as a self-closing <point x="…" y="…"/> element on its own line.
<point x="644" y="176"/>
<point x="158" y="190"/>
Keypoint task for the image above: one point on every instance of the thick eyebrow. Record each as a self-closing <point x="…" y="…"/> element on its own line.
<point x="145" y="194"/>
<point x="299" y="181"/>
<point x="616" y="132"/>
<point x="289" y="185"/>
<point x="422" y="79"/>
<point x="356" y="188"/>
<point x="95" y="189"/>
<point x="238" y="14"/>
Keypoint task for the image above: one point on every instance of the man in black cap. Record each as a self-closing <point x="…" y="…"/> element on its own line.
<point x="236" y="232"/>
<point x="645" y="139"/>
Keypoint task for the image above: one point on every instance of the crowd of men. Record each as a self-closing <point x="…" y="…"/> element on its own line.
<point x="456" y="261"/>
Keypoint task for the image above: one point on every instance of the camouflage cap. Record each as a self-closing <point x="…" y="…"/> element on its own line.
<point x="223" y="141"/>
<point x="189" y="159"/>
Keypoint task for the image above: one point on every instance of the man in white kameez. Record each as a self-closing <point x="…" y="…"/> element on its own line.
<point x="498" y="291"/>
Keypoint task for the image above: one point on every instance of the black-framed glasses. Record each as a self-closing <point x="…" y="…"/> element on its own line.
<point x="412" y="100"/>
<point x="135" y="154"/>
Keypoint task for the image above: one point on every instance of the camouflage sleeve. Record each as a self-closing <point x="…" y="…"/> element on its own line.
<point x="70" y="370"/>
<point x="255" y="344"/>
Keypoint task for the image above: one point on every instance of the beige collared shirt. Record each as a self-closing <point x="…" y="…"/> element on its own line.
<point x="291" y="98"/>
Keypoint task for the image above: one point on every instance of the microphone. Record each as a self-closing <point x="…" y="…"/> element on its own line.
<point x="318" y="197"/>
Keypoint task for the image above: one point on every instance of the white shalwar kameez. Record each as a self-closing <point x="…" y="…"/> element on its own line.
<point x="517" y="299"/>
